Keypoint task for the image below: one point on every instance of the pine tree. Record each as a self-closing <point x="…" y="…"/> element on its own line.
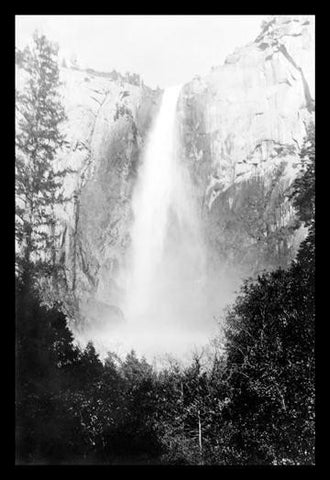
<point x="39" y="114"/>
<point x="303" y="188"/>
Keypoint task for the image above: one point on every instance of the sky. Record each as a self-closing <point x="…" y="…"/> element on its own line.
<point x="164" y="49"/>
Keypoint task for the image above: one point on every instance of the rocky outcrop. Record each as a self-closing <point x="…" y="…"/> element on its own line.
<point x="105" y="130"/>
<point x="242" y="128"/>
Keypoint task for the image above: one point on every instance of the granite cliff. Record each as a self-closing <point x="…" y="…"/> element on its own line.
<point x="241" y="128"/>
<point x="108" y="120"/>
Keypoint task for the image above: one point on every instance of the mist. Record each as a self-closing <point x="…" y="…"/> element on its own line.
<point x="173" y="298"/>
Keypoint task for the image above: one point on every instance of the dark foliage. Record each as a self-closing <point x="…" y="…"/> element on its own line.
<point x="68" y="403"/>
<point x="253" y="405"/>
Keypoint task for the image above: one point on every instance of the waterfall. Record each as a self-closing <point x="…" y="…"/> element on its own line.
<point x="151" y="203"/>
<point x="164" y="301"/>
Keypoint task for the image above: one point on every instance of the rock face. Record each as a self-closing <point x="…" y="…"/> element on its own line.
<point x="106" y="129"/>
<point x="241" y="130"/>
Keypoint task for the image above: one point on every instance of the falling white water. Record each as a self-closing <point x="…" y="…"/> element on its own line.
<point x="164" y="303"/>
<point x="151" y="204"/>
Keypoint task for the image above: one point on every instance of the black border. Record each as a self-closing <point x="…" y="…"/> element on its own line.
<point x="9" y="253"/>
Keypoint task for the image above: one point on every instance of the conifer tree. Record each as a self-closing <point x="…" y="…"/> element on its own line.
<point x="39" y="113"/>
<point x="303" y="188"/>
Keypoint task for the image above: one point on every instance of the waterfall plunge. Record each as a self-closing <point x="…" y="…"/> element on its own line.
<point x="152" y="200"/>
<point x="164" y="304"/>
<point x="171" y="295"/>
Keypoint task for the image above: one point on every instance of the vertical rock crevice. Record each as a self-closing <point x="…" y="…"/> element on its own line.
<point x="309" y="100"/>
